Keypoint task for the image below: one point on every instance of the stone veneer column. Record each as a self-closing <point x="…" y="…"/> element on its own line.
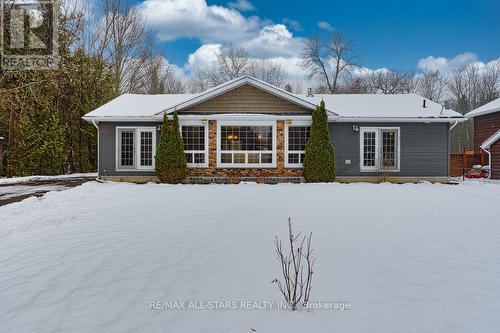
<point x="280" y="146"/>
<point x="212" y="144"/>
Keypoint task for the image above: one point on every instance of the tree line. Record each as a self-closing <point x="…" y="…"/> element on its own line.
<point x="103" y="56"/>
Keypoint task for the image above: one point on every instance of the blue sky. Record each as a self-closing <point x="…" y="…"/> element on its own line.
<point x="408" y="35"/>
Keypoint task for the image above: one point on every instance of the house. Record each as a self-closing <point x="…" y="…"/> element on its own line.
<point x="251" y="130"/>
<point x="487" y="135"/>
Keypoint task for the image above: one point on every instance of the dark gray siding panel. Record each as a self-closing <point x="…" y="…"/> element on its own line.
<point x="107" y="149"/>
<point x="424" y="148"/>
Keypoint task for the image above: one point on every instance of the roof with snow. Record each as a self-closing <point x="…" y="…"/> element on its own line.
<point x="340" y="107"/>
<point x="491" y="140"/>
<point x="490" y="107"/>
<point x="378" y="106"/>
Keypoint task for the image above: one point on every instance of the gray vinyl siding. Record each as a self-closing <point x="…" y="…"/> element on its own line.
<point x="424" y="149"/>
<point x="107" y="149"/>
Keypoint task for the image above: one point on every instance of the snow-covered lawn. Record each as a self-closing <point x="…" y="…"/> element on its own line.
<point x="408" y="258"/>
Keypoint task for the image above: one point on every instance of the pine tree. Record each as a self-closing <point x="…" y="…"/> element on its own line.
<point x="161" y="151"/>
<point x="171" y="165"/>
<point x="319" y="162"/>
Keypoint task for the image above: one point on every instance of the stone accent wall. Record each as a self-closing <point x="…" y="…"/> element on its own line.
<point x="236" y="174"/>
<point x="247" y="99"/>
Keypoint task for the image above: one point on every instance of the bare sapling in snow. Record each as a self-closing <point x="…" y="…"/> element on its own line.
<point x="296" y="267"/>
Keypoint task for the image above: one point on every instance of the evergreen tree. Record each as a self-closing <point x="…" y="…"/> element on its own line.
<point x="41" y="141"/>
<point x="319" y="162"/>
<point x="176" y="159"/>
<point x="161" y="151"/>
<point x="171" y="165"/>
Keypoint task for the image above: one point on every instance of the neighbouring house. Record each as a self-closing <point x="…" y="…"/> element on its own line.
<point x="251" y="130"/>
<point x="487" y="135"/>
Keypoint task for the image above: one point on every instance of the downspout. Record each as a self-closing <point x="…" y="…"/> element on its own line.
<point x="98" y="148"/>
<point x="489" y="161"/>
<point x="453" y="126"/>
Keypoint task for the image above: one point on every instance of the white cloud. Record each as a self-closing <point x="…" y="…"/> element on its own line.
<point x="242" y="5"/>
<point x="174" y="19"/>
<point x="447" y="65"/>
<point x="325" y="26"/>
<point x="273" y="41"/>
<point x="294" y="24"/>
<point x="213" y="24"/>
<point x="204" y="55"/>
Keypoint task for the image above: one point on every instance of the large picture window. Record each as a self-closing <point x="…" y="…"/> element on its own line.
<point x="296" y="139"/>
<point x="136" y="148"/>
<point x="195" y="139"/>
<point x="247" y="145"/>
<point x="379" y="149"/>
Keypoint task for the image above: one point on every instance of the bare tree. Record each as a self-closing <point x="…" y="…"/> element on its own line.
<point x="156" y="75"/>
<point x="234" y="62"/>
<point x="119" y="39"/>
<point x="469" y="88"/>
<point x="296" y="267"/>
<point x="432" y="84"/>
<point x="269" y="71"/>
<point x="356" y="84"/>
<point x="392" y="82"/>
<point x="329" y="60"/>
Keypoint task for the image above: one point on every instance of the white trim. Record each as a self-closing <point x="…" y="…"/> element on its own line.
<point x="206" y="125"/>
<point x="491" y="140"/>
<point x="246" y="152"/>
<point x="98" y="148"/>
<point x="395" y="119"/>
<point x="122" y="119"/>
<point x="378" y="146"/>
<point x="137" y="148"/>
<point x="331" y="119"/>
<point x="236" y="83"/>
<point x="299" y="123"/>
<point x="243" y="117"/>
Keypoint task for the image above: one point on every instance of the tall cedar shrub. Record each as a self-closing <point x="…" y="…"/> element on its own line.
<point x="171" y="165"/>
<point x="319" y="162"/>
<point x="161" y="151"/>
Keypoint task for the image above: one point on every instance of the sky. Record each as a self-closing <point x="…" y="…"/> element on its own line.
<point x="404" y="35"/>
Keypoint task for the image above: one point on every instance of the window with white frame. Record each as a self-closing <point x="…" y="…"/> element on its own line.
<point x="247" y="145"/>
<point x="296" y="139"/>
<point x="136" y="148"/>
<point x="195" y="139"/>
<point x="380" y="149"/>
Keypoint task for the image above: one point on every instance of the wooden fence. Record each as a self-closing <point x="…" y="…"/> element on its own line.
<point x="461" y="163"/>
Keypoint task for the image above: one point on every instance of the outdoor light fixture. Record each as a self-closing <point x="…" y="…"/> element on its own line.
<point x="158" y="128"/>
<point x="355" y="128"/>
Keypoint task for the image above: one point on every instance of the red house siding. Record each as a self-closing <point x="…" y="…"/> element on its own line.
<point x="484" y="127"/>
<point x="495" y="160"/>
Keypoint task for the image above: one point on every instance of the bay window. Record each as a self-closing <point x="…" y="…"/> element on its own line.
<point x="246" y="145"/>
<point x="380" y="149"/>
<point x="135" y="148"/>
<point x="296" y="137"/>
<point x="195" y="137"/>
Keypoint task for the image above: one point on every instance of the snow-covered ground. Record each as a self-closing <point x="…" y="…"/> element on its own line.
<point x="407" y="258"/>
